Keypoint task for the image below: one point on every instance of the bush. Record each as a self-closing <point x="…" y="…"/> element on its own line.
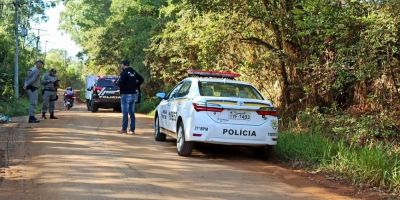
<point x="308" y="149"/>
<point x="147" y="105"/>
<point x="362" y="148"/>
<point x="365" y="129"/>
<point x="310" y="120"/>
<point x="16" y="107"/>
<point x="82" y="94"/>
<point x="370" y="166"/>
<point x="152" y="113"/>
<point x="359" y="130"/>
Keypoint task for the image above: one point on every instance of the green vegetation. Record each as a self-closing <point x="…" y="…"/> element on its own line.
<point x="8" y="105"/>
<point x="82" y="94"/>
<point x="372" y="166"/>
<point x="152" y="113"/>
<point x="298" y="53"/>
<point x="363" y="149"/>
<point x="147" y="106"/>
<point x="305" y="149"/>
<point x="17" y="107"/>
<point x="340" y="57"/>
<point x="69" y="71"/>
<point x="28" y="52"/>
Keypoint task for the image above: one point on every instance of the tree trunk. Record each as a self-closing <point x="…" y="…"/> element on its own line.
<point x="285" y="98"/>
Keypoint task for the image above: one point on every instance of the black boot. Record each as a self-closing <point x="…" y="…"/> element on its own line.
<point x="32" y="119"/>
<point x="52" y="116"/>
<point x="44" y="115"/>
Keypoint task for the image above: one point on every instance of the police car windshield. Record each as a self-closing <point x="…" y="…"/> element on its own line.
<point x="106" y="82"/>
<point x="220" y="89"/>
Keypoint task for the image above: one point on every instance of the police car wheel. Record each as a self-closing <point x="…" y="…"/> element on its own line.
<point x="117" y="109"/>
<point x="158" y="136"/>
<point x="263" y="152"/>
<point x="183" y="147"/>
<point x="94" y="107"/>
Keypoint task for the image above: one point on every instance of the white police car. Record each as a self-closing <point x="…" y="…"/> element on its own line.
<point x="212" y="107"/>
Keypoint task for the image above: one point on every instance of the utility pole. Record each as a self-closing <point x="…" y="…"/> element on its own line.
<point x="45" y="51"/>
<point x="65" y="59"/>
<point x="16" y="70"/>
<point x="37" y="40"/>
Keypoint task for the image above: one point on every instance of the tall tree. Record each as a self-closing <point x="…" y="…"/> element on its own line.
<point x="29" y="12"/>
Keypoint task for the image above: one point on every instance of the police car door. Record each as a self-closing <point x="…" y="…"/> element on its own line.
<point x="166" y="117"/>
<point x="178" y="103"/>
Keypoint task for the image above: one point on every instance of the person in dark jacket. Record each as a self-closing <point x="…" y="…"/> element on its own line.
<point x="129" y="83"/>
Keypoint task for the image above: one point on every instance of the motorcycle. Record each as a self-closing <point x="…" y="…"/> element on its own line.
<point x="68" y="102"/>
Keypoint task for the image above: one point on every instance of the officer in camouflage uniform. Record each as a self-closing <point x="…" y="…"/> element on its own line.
<point x="31" y="85"/>
<point x="50" y="85"/>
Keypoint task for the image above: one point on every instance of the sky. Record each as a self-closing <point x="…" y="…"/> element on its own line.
<point x="56" y="39"/>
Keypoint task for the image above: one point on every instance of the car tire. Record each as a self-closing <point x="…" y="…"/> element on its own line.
<point x="117" y="109"/>
<point x="183" y="147"/>
<point x="158" y="136"/>
<point x="94" y="107"/>
<point x="263" y="152"/>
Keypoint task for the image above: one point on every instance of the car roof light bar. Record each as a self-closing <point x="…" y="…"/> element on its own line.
<point x="217" y="74"/>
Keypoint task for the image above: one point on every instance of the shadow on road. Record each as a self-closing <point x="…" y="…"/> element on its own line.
<point x="81" y="156"/>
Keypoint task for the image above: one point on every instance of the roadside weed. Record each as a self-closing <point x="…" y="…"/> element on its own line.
<point x="373" y="166"/>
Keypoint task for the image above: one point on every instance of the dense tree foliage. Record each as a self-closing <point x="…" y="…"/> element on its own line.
<point x="299" y="53"/>
<point x="68" y="70"/>
<point x="317" y="52"/>
<point x="29" y="12"/>
<point x="112" y="31"/>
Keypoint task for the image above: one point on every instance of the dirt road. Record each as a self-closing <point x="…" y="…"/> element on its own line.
<point x="80" y="156"/>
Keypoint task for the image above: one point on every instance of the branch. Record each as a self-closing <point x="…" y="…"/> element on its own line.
<point x="258" y="41"/>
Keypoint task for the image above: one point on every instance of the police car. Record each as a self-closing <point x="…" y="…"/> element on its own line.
<point x="212" y="107"/>
<point x="102" y="92"/>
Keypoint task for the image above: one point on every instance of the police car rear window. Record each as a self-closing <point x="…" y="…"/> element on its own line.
<point x="106" y="82"/>
<point x="220" y="89"/>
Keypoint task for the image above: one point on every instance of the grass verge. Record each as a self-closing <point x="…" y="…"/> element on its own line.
<point x="371" y="166"/>
<point x="147" y="106"/>
<point x="16" y="107"/>
<point x="307" y="150"/>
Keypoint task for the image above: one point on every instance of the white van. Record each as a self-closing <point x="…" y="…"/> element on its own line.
<point x="90" y="81"/>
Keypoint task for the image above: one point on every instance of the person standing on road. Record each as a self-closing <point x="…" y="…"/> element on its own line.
<point x="31" y="85"/>
<point x="50" y="85"/>
<point x="129" y="83"/>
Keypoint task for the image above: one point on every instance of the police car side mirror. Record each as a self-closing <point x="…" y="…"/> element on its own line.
<point x="160" y="95"/>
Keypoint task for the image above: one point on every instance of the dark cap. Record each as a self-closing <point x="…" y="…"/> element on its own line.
<point x="39" y="61"/>
<point x="125" y="62"/>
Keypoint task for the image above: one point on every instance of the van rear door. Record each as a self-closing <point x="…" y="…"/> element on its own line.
<point x="90" y="80"/>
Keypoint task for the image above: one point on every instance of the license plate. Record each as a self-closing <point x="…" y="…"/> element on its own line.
<point x="272" y="134"/>
<point x="234" y="115"/>
<point x="109" y="97"/>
